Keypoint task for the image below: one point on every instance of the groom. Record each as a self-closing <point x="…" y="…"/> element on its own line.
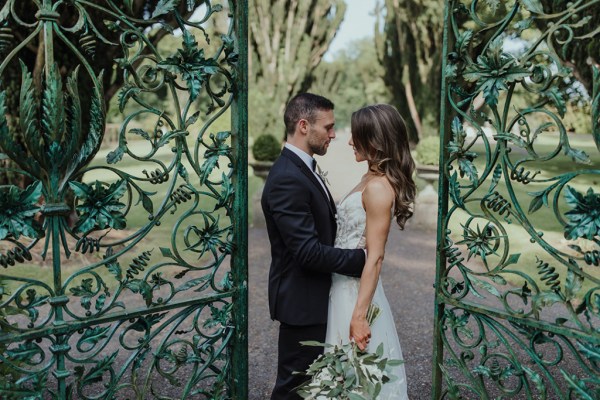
<point x="300" y="216"/>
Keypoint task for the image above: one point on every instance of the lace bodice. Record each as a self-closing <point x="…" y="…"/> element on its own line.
<point x="351" y="223"/>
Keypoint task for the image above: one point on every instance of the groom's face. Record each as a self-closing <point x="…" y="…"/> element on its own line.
<point x="321" y="132"/>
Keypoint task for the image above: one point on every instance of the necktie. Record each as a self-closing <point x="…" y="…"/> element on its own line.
<point x="314" y="165"/>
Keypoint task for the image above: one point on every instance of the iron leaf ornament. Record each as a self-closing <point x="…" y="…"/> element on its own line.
<point x="17" y="216"/>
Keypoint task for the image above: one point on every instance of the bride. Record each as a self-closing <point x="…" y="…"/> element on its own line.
<point x="365" y="215"/>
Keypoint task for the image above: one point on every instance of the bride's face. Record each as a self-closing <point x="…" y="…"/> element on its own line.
<point x="359" y="157"/>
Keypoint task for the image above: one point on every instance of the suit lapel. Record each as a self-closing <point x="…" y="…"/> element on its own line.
<point x="306" y="171"/>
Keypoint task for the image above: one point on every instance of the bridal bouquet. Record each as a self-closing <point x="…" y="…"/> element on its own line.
<point x="345" y="372"/>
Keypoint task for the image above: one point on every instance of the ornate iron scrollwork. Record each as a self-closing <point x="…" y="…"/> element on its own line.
<point x="518" y="288"/>
<point x="145" y="295"/>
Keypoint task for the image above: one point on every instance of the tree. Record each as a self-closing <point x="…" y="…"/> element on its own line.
<point x="288" y="39"/>
<point x="582" y="50"/>
<point x="409" y="46"/>
<point x="353" y="79"/>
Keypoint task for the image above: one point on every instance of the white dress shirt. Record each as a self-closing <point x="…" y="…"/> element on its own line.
<point x="308" y="160"/>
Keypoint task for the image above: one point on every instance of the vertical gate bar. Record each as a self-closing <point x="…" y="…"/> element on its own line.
<point x="438" y="351"/>
<point x="239" y="124"/>
<point x="60" y="347"/>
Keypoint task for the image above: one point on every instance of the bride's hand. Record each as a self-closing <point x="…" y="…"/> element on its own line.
<point x="360" y="332"/>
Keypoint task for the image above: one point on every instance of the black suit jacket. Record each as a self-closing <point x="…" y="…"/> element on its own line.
<point x="301" y="226"/>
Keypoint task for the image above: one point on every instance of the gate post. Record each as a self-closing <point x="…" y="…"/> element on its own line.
<point x="438" y="349"/>
<point x="239" y="359"/>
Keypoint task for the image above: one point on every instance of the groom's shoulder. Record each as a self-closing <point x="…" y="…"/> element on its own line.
<point x="285" y="172"/>
<point x="284" y="165"/>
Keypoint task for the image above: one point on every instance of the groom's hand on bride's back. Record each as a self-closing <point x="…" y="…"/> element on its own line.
<point x="290" y="206"/>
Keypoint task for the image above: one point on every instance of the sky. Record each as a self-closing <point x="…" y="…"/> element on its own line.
<point x="357" y="24"/>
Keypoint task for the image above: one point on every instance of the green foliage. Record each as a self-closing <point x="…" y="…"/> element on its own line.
<point x="266" y="148"/>
<point x="286" y="43"/>
<point x="353" y="79"/>
<point x="582" y="47"/>
<point x="428" y="151"/>
<point x="344" y="372"/>
<point x="409" y="48"/>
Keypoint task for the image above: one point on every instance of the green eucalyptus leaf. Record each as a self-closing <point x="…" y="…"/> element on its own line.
<point x="146" y="202"/>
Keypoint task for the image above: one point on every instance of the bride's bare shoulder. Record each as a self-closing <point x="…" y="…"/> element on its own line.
<point x="378" y="193"/>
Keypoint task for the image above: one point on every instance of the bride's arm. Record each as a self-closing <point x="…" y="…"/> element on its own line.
<point x="378" y="200"/>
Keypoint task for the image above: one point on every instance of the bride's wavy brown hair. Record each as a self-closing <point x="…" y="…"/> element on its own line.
<point x="379" y="134"/>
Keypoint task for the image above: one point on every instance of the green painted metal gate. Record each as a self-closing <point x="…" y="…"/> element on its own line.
<point x="123" y="246"/>
<point x="518" y="277"/>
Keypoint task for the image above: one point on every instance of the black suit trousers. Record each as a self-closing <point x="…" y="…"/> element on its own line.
<point x="292" y="356"/>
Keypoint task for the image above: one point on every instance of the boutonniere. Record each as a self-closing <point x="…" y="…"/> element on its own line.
<point x="323" y="175"/>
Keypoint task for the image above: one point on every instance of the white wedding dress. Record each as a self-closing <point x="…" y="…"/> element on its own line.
<point x="344" y="292"/>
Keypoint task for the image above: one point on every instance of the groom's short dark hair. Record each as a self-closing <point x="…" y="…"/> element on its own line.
<point x="304" y="106"/>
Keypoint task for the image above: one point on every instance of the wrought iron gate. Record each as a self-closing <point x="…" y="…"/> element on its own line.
<point x="124" y="263"/>
<point x="518" y="283"/>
